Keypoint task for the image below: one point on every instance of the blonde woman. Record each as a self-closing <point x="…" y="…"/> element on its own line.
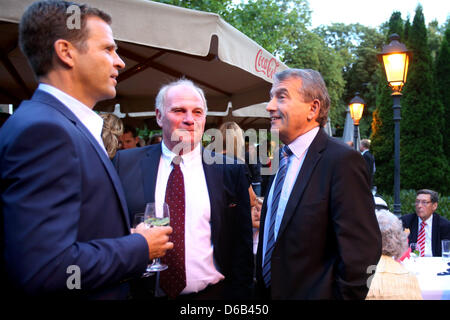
<point x="112" y="130"/>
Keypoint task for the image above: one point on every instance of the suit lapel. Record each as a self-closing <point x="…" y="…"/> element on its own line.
<point x="435" y="236"/>
<point x="214" y="182"/>
<point x="55" y="103"/>
<point x="150" y="165"/>
<point x="312" y="158"/>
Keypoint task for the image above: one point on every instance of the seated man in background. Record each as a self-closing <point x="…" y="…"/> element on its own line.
<point x="427" y="228"/>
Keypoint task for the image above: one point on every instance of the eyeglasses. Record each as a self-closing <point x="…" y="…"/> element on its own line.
<point x="423" y="202"/>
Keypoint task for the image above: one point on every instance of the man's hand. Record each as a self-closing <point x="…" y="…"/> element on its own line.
<point x="157" y="239"/>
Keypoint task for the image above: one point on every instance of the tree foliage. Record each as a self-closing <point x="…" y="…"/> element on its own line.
<point x="442" y="74"/>
<point x="422" y="160"/>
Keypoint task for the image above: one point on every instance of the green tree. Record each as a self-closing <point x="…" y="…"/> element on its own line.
<point x="442" y="74"/>
<point x="382" y="120"/>
<point x="422" y="160"/>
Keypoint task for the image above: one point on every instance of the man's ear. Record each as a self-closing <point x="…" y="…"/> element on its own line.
<point x="314" y="110"/>
<point x="158" y="117"/>
<point x="64" y="52"/>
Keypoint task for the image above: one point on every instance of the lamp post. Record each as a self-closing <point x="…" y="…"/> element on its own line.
<point x="356" y="110"/>
<point x="395" y="60"/>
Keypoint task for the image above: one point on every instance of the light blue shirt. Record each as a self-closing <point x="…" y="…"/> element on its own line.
<point x="299" y="148"/>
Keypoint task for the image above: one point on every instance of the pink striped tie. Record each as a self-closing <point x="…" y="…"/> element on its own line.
<point x="421" y="239"/>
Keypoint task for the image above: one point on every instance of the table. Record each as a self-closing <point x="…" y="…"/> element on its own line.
<point x="433" y="287"/>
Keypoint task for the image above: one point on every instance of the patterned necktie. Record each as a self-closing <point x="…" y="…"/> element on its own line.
<point x="285" y="153"/>
<point x="421" y="239"/>
<point x="173" y="280"/>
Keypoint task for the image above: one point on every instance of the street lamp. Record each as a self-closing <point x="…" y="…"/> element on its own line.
<point x="395" y="61"/>
<point x="356" y="110"/>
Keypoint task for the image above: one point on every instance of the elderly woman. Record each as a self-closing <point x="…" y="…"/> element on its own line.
<point x="391" y="280"/>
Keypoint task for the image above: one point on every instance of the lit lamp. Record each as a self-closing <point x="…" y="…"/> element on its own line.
<point x="356" y="110"/>
<point x="395" y="61"/>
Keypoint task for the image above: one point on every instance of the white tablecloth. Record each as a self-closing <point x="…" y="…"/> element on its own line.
<point x="433" y="287"/>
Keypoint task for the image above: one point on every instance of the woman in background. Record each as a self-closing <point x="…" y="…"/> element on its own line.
<point x="391" y="280"/>
<point x="112" y="130"/>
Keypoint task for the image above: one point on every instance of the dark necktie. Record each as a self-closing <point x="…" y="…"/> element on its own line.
<point x="285" y="153"/>
<point x="173" y="280"/>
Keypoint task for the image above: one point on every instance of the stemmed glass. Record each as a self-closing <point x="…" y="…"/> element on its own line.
<point x="137" y="220"/>
<point x="156" y="218"/>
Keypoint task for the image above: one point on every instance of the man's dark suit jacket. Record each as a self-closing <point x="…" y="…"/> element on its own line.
<point x="231" y="226"/>
<point x="62" y="205"/>
<point x="370" y="161"/>
<point x="440" y="230"/>
<point x="329" y="234"/>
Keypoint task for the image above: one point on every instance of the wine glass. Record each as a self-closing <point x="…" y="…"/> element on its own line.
<point x="137" y="220"/>
<point x="156" y="218"/>
<point x="415" y="252"/>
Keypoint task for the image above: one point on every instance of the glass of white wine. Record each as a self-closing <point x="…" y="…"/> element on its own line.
<point x="156" y="218"/>
<point x="137" y="220"/>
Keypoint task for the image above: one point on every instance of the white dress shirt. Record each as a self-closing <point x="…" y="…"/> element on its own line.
<point x="299" y="148"/>
<point x="92" y="121"/>
<point x="428" y="230"/>
<point x="200" y="269"/>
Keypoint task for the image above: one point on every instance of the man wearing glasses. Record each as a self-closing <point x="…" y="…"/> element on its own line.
<point x="427" y="228"/>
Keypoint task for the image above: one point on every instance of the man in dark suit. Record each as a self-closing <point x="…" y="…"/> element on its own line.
<point x="436" y="227"/>
<point x="65" y="228"/>
<point x="214" y="246"/>
<point x="319" y="233"/>
<point x="364" y="147"/>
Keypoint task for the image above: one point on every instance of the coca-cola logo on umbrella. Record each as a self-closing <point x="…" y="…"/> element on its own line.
<point x="265" y="65"/>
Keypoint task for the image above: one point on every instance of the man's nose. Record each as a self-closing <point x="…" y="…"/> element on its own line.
<point x="118" y="62"/>
<point x="188" y="118"/>
<point x="271" y="106"/>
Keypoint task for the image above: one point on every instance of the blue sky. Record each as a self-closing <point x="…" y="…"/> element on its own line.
<point x="373" y="13"/>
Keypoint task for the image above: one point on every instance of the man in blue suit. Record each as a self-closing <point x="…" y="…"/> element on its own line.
<point x="213" y="246"/>
<point x="65" y="221"/>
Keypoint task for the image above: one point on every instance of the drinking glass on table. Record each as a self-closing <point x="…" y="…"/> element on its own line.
<point x="415" y="250"/>
<point x="445" y="249"/>
<point x="156" y="218"/>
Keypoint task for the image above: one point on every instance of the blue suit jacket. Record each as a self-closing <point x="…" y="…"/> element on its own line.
<point x="62" y="205"/>
<point x="231" y="226"/>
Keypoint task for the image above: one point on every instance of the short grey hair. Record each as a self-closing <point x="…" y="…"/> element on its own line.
<point x="161" y="98"/>
<point x="312" y="87"/>
<point x="394" y="239"/>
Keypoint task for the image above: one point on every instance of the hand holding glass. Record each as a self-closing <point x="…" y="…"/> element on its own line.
<point x="156" y="218"/>
<point x="137" y="220"/>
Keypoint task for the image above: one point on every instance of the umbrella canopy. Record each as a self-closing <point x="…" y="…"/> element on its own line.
<point x="159" y="43"/>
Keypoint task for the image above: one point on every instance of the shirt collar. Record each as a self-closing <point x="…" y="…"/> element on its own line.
<point x="92" y="121"/>
<point x="168" y="155"/>
<point x="429" y="221"/>
<point x="301" y="143"/>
